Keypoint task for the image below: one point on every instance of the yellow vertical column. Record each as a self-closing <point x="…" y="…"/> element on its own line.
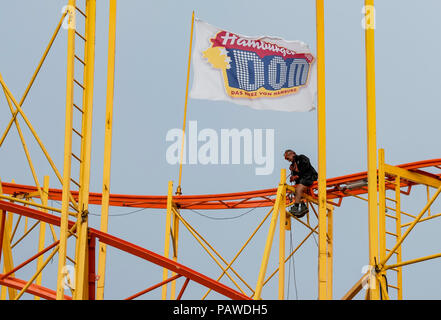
<point x="67" y="150"/>
<point x="42" y="235"/>
<point x="282" y="233"/>
<point x="329" y="255"/>
<point x="371" y="141"/>
<point x="81" y="265"/>
<point x="382" y="204"/>
<point x="107" y="148"/>
<point x="398" y="232"/>
<point x="168" y="220"/>
<point x="321" y="127"/>
<point x="175" y="233"/>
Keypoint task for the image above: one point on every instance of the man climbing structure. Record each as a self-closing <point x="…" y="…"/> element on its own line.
<point x="304" y="175"/>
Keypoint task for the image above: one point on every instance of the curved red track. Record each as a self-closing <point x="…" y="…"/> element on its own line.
<point x="336" y="191"/>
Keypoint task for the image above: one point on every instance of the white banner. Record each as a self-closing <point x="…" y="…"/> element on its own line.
<point x="262" y="73"/>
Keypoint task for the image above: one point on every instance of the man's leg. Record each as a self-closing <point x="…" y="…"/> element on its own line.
<point x="300" y="188"/>
<point x="299" y="208"/>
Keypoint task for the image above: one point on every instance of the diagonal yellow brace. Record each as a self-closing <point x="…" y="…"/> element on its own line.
<point x="412" y="176"/>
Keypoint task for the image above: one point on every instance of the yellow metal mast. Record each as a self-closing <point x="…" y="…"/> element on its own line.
<point x="323" y="271"/>
<point x="81" y="252"/>
<point x="42" y="235"/>
<point x="62" y="252"/>
<point x="371" y="142"/>
<point x="107" y="148"/>
<point x="81" y="265"/>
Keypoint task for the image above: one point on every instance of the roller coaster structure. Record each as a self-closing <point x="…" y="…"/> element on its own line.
<point x="383" y="184"/>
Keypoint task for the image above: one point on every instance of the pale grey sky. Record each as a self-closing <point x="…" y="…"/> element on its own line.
<point x="151" y="66"/>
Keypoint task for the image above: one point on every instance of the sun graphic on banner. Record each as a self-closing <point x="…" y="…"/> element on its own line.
<point x="218" y="57"/>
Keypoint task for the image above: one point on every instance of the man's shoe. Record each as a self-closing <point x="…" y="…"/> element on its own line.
<point x="299" y="211"/>
<point x="294" y="210"/>
<point x="303" y="210"/>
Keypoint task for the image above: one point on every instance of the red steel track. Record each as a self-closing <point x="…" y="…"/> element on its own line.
<point x="337" y="189"/>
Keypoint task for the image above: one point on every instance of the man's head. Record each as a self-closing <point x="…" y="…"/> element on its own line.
<point x="289" y="155"/>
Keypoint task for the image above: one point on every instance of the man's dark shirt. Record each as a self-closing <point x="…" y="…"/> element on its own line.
<point x="305" y="169"/>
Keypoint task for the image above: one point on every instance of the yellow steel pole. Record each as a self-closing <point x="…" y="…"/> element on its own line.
<point x="175" y="238"/>
<point x="67" y="153"/>
<point x="330" y="254"/>
<point x="398" y="232"/>
<point x="269" y="240"/>
<point x="282" y="233"/>
<point x="107" y="148"/>
<point x="321" y="127"/>
<point x="179" y="191"/>
<point x="168" y="219"/>
<point x="42" y="235"/>
<point x="405" y="263"/>
<point x="81" y="265"/>
<point x="382" y="203"/>
<point x="371" y="142"/>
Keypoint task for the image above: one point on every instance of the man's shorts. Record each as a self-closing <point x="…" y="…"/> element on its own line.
<point x="307" y="180"/>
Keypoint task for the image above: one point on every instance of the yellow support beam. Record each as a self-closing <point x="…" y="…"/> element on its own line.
<point x="398" y="232"/>
<point x="168" y="220"/>
<point x="330" y="255"/>
<point x="42" y="235"/>
<point x="282" y="233"/>
<point x="107" y="148"/>
<point x="412" y="176"/>
<point x="371" y="143"/>
<point x="408" y="262"/>
<point x="321" y="132"/>
<point x="175" y="238"/>
<point x="81" y="265"/>
<point x="62" y="252"/>
<point x="382" y="203"/>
